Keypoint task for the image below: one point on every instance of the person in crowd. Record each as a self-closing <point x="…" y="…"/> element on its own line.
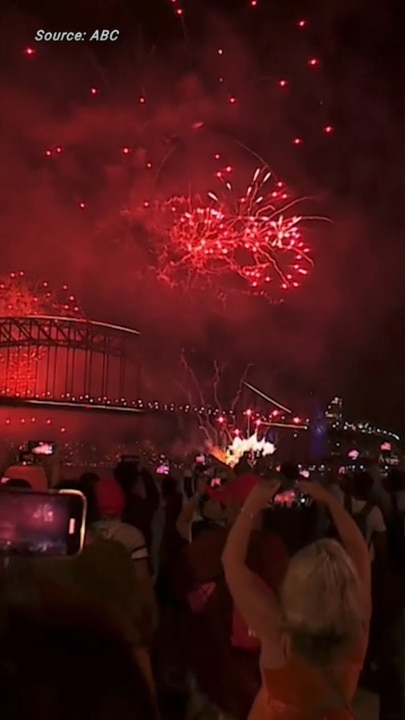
<point x="337" y="483"/>
<point x="216" y="644"/>
<point x="189" y="487"/>
<point x="243" y="467"/>
<point x="202" y="512"/>
<point x="142" y="498"/>
<point x="391" y="658"/>
<point x="104" y="573"/>
<point x="263" y="467"/>
<point x="34" y="475"/>
<point x="395" y="486"/>
<point x="111" y="504"/>
<point x="290" y="472"/>
<point x="64" y="658"/>
<point x="89" y="480"/>
<point x="314" y="632"/>
<point x="297" y="525"/>
<point x="46" y="472"/>
<point x="165" y="536"/>
<point x="361" y="505"/>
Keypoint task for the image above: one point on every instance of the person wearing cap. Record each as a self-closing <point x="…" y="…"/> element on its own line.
<point x="111" y="504"/>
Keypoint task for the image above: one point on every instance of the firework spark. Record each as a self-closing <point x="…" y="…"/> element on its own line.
<point x="269" y="244"/>
<point x="256" y="238"/>
<point x="18" y="298"/>
<point x="201" y="242"/>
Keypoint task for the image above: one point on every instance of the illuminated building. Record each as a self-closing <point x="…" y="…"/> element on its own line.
<point x="334" y="411"/>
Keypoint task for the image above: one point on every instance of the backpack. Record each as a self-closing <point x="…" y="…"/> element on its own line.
<point x="396" y="533"/>
<point x="361" y="517"/>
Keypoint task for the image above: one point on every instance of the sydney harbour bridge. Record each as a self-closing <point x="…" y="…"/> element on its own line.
<point x="53" y="368"/>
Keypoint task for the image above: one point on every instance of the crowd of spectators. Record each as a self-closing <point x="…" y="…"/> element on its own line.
<point x="199" y="595"/>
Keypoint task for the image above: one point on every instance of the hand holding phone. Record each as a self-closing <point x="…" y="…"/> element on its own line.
<point x="42" y="448"/>
<point x="262" y="495"/>
<point x="49" y="524"/>
<point x="216" y="482"/>
<point x="291" y="498"/>
<point x="314" y="490"/>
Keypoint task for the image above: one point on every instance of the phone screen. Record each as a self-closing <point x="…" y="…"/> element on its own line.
<point x="216" y="482"/>
<point x="41" y="447"/>
<point x="48" y="524"/>
<point x="291" y="498"/>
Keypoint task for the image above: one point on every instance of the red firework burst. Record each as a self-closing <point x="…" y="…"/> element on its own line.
<point x="201" y="242"/>
<point x="256" y="237"/>
<point x="18" y="298"/>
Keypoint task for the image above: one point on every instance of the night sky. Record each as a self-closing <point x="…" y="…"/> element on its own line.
<point x="92" y="130"/>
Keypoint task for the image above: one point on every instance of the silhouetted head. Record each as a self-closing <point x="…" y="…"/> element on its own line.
<point x="89" y="492"/>
<point x="88" y="479"/>
<point x="169" y="486"/>
<point x="110" y="497"/>
<point x="263" y="468"/>
<point x="290" y="471"/>
<point x="395" y="481"/>
<point x="362" y="486"/>
<point x="242" y="467"/>
<point x="126" y="474"/>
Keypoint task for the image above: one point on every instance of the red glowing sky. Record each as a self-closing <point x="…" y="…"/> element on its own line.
<point x="89" y="132"/>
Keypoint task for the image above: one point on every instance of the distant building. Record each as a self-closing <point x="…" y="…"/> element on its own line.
<point x="334" y="411"/>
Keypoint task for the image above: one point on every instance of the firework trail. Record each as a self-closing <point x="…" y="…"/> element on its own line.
<point x="269" y="244"/>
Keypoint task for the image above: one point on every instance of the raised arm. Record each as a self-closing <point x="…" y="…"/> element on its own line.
<point x="183" y="524"/>
<point x="257" y="605"/>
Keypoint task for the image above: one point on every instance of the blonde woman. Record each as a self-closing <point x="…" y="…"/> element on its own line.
<point x="314" y="635"/>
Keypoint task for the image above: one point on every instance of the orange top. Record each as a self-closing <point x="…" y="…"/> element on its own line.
<point x="297" y="691"/>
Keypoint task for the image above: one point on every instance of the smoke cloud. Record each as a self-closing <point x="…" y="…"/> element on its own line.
<point x="87" y="137"/>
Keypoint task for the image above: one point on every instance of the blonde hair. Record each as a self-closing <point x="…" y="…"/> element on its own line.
<point x="322" y="601"/>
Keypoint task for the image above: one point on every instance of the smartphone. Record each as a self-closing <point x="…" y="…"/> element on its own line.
<point x="201" y="459"/>
<point x="162" y="470"/>
<point x="41" y="447"/>
<point x="216" y="482"/>
<point x="291" y="498"/>
<point x="47" y="524"/>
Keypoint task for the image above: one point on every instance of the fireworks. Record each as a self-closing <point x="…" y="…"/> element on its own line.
<point x="18" y="366"/>
<point x="256" y="238"/>
<point x="252" y="446"/>
<point x="20" y="299"/>
<point x="200" y="242"/>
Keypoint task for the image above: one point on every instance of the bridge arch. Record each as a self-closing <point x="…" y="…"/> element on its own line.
<point x="53" y="359"/>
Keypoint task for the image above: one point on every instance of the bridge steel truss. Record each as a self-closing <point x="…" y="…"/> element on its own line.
<point x="78" y="359"/>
